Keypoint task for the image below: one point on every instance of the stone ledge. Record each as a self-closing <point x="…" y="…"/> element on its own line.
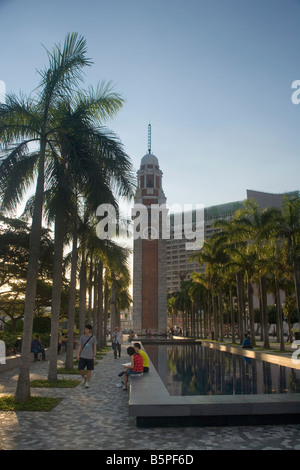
<point x="13" y="362"/>
<point x="150" y="401"/>
<point x="267" y="356"/>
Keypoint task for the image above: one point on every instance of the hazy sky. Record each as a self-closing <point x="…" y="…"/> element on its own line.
<point x="213" y="77"/>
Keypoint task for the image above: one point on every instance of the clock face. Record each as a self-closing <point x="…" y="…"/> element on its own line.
<point x="150" y="233"/>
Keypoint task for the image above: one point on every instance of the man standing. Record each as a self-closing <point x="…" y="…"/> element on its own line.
<point x="86" y="354"/>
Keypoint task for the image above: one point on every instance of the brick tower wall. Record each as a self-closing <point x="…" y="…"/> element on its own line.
<point x="150" y="284"/>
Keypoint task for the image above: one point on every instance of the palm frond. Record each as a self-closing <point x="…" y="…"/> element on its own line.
<point x="65" y="69"/>
<point x="99" y="104"/>
<point x="17" y="173"/>
<point x="19" y="120"/>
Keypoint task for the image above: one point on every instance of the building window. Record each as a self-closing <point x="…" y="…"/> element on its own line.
<point x="150" y="181"/>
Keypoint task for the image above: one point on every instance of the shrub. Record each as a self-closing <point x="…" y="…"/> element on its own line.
<point x="42" y="324"/>
<point x="11" y="341"/>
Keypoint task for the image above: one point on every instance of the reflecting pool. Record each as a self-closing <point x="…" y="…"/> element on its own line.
<point x="193" y="369"/>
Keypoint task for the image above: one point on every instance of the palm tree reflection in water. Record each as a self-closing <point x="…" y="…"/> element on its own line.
<point x="198" y="370"/>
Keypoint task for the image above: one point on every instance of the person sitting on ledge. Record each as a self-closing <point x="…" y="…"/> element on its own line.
<point x="36" y="348"/>
<point x="138" y="350"/>
<point x="247" y="343"/>
<point x="136" y="365"/>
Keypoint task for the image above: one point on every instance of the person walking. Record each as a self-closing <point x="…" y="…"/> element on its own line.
<point x="117" y="341"/>
<point x="86" y="354"/>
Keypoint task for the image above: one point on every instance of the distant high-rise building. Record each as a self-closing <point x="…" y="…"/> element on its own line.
<point x="179" y="266"/>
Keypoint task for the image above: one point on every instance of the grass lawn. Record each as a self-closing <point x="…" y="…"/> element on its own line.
<point x="60" y="383"/>
<point x="62" y="370"/>
<point x="7" y="403"/>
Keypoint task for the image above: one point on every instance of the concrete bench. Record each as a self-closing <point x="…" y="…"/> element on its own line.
<point x="12" y="362"/>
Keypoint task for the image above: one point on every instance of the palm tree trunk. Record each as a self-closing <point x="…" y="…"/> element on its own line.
<point x="82" y="292"/>
<point x="220" y="300"/>
<point x="215" y="316"/>
<point x="209" y="314"/>
<point x="90" y="289"/>
<point x="113" y="307"/>
<point x="72" y="302"/>
<point x="100" y="306"/>
<point x="23" y="385"/>
<point x="251" y="312"/>
<point x="193" y="320"/>
<point x="279" y="316"/>
<point x="240" y="296"/>
<point x="95" y="326"/>
<point x="264" y="311"/>
<point x="261" y="316"/>
<point x="232" y="315"/>
<point x="205" y="319"/>
<point x="297" y="287"/>
<point x="59" y="234"/>
<point x="106" y="295"/>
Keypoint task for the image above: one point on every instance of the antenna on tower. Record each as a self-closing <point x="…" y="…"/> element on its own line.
<point x="149" y="138"/>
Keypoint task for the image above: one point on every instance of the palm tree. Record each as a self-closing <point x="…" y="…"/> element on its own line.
<point x="117" y="274"/>
<point x="215" y="258"/>
<point x="290" y="230"/>
<point x="251" y="226"/>
<point x="262" y="225"/>
<point x="14" y="249"/>
<point x="204" y="282"/>
<point x="86" y="158"/>
<point x="232" y="236"/>
<point x="182" y="304"/>
<point x="271" y="257"/>
<point x="244" y="260"/>
<point x="30" y="121"/>
<point x="171" y="307"/>
<point x="95" y="164"/>
<point x="185" y="289"/>
<point x="198" y="297"/>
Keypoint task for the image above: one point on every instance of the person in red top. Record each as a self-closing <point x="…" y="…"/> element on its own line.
<point x="136" y="365"/>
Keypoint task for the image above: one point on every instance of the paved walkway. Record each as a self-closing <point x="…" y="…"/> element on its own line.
<point x="97" y="419"/>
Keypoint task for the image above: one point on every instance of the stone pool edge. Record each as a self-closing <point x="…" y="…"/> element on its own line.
<point x="151" y="404"/>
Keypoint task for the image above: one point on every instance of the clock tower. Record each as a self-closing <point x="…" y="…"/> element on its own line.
<point x="149" y="253"/>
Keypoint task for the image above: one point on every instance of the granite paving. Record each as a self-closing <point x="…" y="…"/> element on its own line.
<point x="97" y="419"/>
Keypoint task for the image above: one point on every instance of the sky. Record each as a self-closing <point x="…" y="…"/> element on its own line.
<point x="212" y="77"/>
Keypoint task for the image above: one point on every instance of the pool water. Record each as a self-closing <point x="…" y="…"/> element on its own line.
<point x="193" y="369"/>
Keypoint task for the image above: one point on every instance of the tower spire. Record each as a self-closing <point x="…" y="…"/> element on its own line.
<point x="149" y="138"/>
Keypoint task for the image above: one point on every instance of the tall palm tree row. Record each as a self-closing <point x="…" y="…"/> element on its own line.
<point x="255" y="250"/>
<point x="78" y="163"/>
<point x="94" y="162"/>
